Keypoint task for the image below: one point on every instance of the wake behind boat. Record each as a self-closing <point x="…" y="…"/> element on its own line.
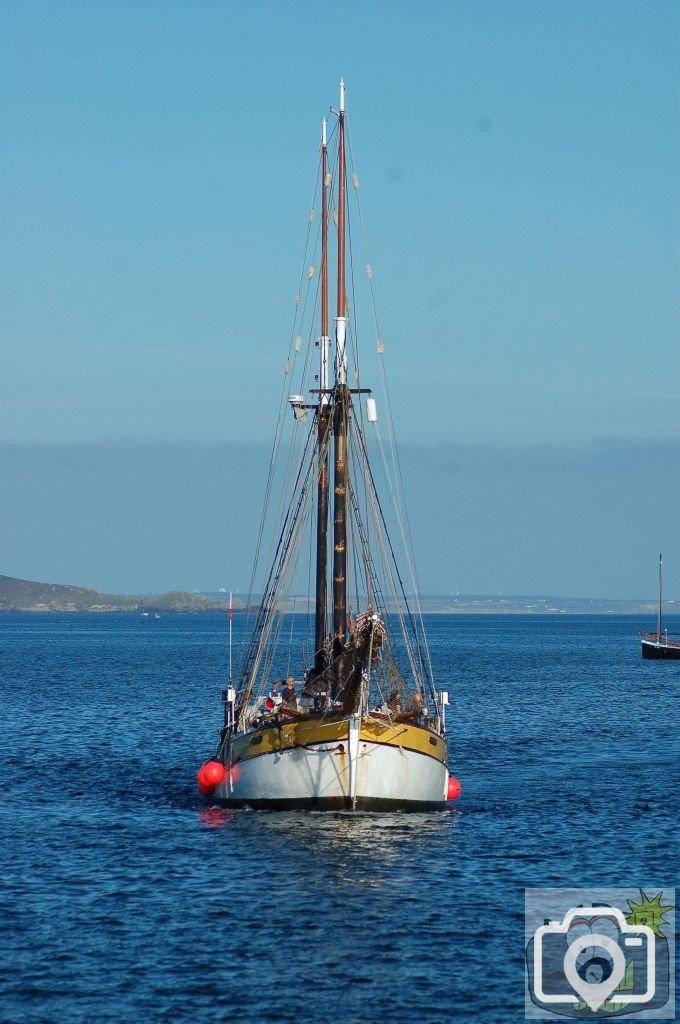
<point x="659" y="644"/>
<point x="348" y="717"/>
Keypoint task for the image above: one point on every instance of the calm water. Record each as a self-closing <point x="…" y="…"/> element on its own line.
<point x="125" y="899"/>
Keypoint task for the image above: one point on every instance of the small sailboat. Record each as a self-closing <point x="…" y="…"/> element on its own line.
<point x="334" y="705"/>
<point x="659" y="644"/>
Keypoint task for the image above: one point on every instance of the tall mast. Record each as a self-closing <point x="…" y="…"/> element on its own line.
<point x="658" y="618"/>
<point x="341" y="363"/>
<point x="323" y="424"/>
<point x="324" y="262"/>
<point x="340" y="409"/>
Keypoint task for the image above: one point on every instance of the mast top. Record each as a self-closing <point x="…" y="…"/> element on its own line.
<point x="323" y="132"/>
<point x="342" y="95"/>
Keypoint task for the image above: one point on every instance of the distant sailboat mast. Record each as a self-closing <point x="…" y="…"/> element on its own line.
<point x="658" y="618"/>
<point x="654" y="645"/>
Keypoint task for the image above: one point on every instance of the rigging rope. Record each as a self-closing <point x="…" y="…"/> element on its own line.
<point x="397" y="493"/>
<point x="366" y="527"/>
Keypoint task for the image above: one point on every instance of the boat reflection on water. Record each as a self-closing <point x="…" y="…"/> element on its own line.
<point x="215" y="817"/>
<point x="353" y="846"/>
<point x="358" y="847"/>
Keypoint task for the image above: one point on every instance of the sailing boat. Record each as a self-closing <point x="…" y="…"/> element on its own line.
<point x="339" y="710"/>
<point x="657" y="645"/>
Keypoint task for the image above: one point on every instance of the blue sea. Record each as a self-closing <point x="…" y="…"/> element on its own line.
<point x="127" y="899"/>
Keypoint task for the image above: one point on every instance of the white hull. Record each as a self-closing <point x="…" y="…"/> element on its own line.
<point x="379" y="776"/>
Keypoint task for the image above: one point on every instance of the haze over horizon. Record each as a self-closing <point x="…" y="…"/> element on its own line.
<point x="519" y="169"/>
<point x="133" y="518"/>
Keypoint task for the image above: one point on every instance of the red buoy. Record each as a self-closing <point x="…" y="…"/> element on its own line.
<point x="213" y="772"/>
<point x="453" y="788"/>
<point x="209" y="775"/>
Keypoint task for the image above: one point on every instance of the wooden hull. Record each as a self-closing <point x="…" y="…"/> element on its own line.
<point x="660" y="648"/>
<point x="326" y="764"/>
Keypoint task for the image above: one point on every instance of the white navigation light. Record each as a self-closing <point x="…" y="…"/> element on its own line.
<point x="297" y="404"/>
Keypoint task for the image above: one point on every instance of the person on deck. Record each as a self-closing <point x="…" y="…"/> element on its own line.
<point x="394" y="703"/>
<point x="288" y="694"/>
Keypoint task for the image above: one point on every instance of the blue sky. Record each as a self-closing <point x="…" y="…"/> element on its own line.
<point x="519" y="167"/>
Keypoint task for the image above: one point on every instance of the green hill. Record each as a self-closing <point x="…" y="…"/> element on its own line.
<point x="28" y="596"/>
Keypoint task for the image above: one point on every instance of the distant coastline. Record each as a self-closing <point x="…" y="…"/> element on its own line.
<point x="18" y="595"/>
<point x="28" y="596"/>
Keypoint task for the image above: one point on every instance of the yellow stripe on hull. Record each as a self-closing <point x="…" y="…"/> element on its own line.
<point x="313" y="731"/>
<point x="404" y="734"/>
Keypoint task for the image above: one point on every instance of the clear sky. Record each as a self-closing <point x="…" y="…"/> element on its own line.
<point x="520" y="180"/>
